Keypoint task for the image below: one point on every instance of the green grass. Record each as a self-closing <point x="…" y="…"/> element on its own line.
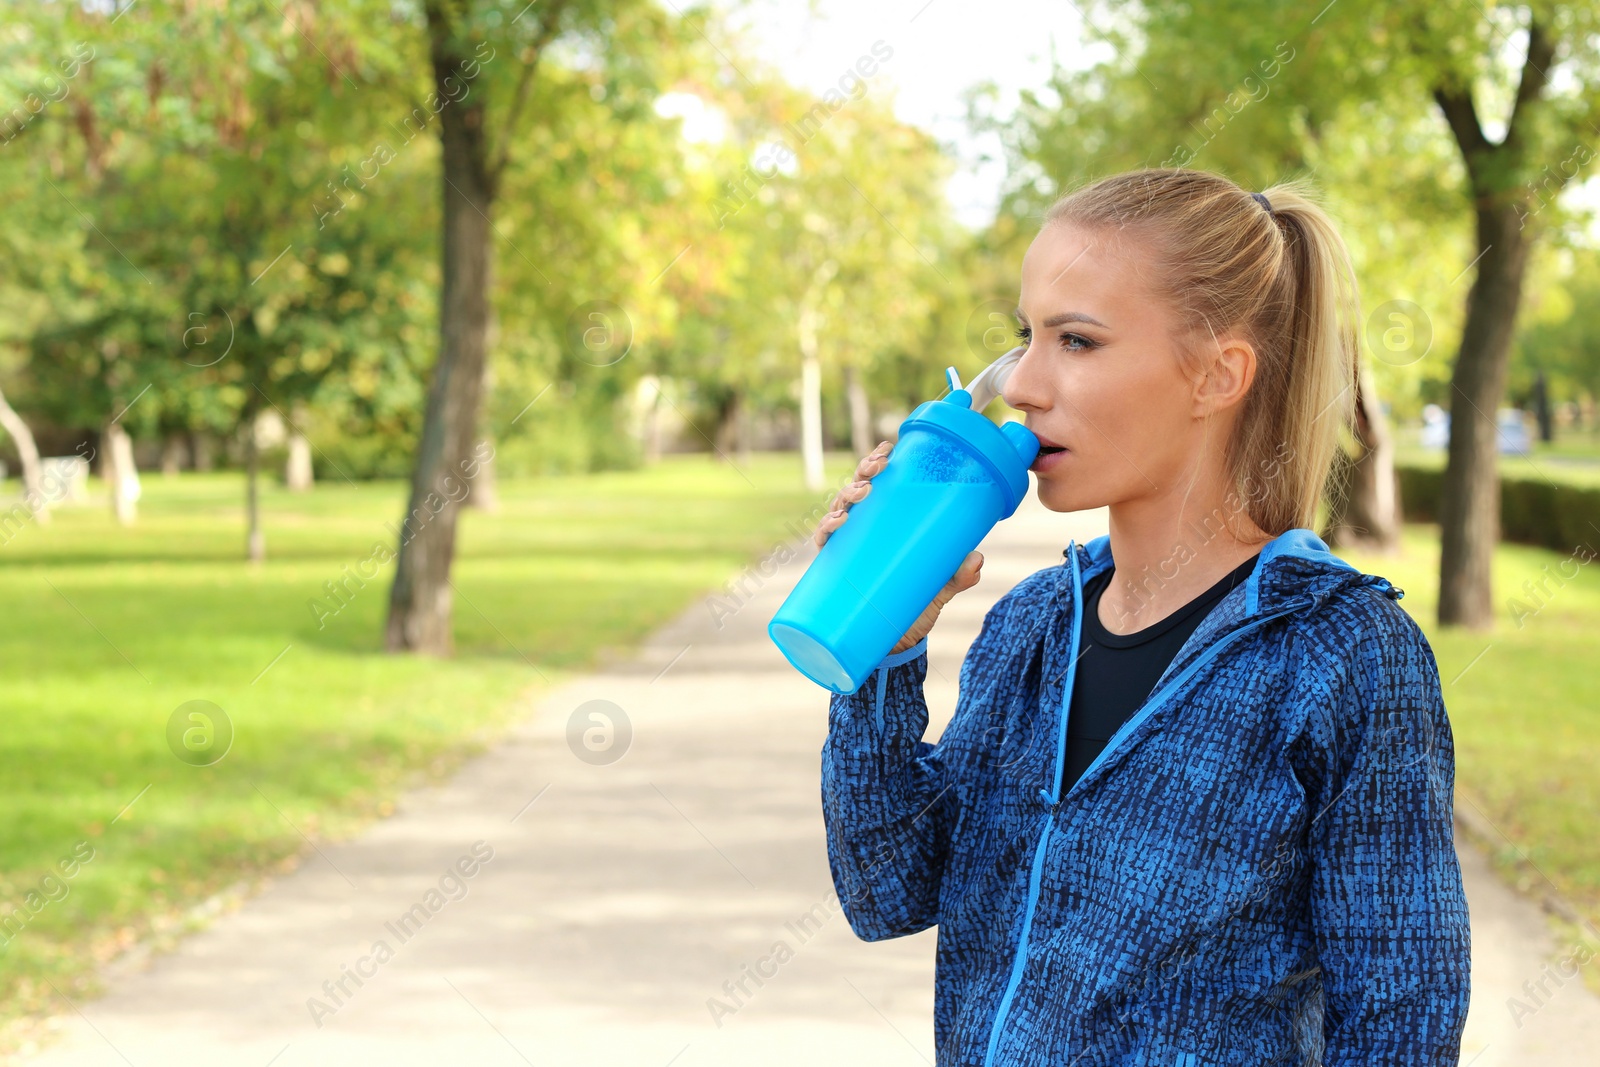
<point x="1574" y="461"/>
<point x="108" y="630"/>
<point x="1522" y="708"/>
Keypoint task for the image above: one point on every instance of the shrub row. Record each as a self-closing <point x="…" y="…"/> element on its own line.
<point x="1532" y="511"/>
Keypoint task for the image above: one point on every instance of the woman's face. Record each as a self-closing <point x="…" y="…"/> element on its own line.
<point x="1101" y="375"/>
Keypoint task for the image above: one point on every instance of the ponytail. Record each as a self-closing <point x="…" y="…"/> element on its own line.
<point x="1279" y="276"/>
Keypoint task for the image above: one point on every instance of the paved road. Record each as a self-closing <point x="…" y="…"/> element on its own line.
<point x="617" y="900"/>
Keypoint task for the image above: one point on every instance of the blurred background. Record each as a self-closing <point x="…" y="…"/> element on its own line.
<point x="368" y="364"/>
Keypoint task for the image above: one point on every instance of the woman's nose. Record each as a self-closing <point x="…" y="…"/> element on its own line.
<point x="1023" y="388"/>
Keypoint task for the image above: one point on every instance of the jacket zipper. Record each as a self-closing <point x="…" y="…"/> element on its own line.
<point x="1020" y="959"/>
<point x="1052" y="797"/>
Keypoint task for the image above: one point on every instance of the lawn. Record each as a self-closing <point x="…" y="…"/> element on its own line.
<point x="1571" y="461"/>
<point x="1522" y="708"/>
<point x="107" y="631"/>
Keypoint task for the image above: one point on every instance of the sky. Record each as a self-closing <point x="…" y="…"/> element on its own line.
<point x="941" y="47"/>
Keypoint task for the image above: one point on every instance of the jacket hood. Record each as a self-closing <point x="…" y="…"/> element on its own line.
<point x="1295" y="566"/>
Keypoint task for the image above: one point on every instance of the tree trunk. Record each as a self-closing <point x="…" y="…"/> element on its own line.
<point x="420" y="599"/>
<point x="121" y="475"/>
<point x="1541" y="407"/>
<point x="200" y="450"/>
<point x="297" y="474"/>
<point x="652" y="424"/>
<point x="32" y="485"/>
<point x="811" y="375"/>
<point x="1369" y="513"/>
<point x="255" y="542"/>
<point x="483" y="490"/>
<point x="728" y="420"/>
<point x="811" y="419"/>
<point x="742" y="430"/>
<point x="1469" y="507"/>
<point x="171" y="454"/>
<point x="860" y="412"/>
<point x="255" y="539"/>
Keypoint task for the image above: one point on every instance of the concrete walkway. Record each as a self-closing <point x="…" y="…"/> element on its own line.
<point x="623" y="903"/>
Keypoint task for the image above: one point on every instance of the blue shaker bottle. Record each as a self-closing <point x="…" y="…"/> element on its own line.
<point x="951" y="476"/>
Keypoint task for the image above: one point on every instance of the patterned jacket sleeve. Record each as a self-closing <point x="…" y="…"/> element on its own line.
<point x="1387" y="902"/>
<point x="886" y="801"/>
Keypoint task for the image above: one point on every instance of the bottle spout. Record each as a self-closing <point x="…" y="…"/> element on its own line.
<point x="992" y="379"/>
<point x="1023" y="440"/>
<point x="956" y="395"/>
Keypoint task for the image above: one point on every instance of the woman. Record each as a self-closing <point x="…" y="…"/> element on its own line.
<point x="1194" y="804"/>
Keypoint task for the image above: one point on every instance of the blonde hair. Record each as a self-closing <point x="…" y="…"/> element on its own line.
<point x="1283" y="280"/>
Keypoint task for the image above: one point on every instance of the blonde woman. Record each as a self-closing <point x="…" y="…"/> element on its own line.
<point x="1194" y="804"/>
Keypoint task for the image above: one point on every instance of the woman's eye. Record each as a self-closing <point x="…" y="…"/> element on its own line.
<point x="1025" y="335"/>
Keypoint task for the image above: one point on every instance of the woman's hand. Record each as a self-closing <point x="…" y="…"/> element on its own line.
<point x="966" y="575"/>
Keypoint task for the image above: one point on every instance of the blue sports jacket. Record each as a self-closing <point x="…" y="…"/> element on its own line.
<point x="1258" y="869"/>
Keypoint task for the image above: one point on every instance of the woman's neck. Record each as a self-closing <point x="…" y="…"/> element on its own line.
<point x="1169" y="551"/>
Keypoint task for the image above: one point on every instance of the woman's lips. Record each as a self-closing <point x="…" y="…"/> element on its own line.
<point x="1047" y="459"/>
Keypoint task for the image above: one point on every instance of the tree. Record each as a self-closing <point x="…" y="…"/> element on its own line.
<point x="1535" y="157"/>
<point x="839" y="210"/>
<point x="209" y="286"/>
<point x="1367" y="513"/>
<point x="1399" y="65"/>
<point x="522" y="95"/>
<point x="32" y="486"/>
<point x="1564" y="340"/>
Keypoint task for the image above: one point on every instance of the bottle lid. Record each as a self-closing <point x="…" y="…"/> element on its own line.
<point x="1007" y="452"/>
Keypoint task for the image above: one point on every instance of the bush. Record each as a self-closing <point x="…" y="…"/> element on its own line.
<point x="1532" y="511"/>
<point x="339" y="456"/>
<point x="567" y="432"/>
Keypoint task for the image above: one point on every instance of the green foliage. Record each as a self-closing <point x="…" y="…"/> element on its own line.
<point x="1345" y="94"/>
<point x="254" y="225"/>
<point x="1561" y="332"/>
<point x="1533" y="510"/>
<point x="200" y="276"/>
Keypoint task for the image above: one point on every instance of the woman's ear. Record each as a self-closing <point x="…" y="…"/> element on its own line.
<point x="1225" y="383"/>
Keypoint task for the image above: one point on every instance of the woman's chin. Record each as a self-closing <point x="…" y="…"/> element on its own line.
<point x="1057" y="497"/>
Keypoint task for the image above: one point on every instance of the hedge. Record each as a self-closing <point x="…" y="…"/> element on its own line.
<point x="1532" y="511"/>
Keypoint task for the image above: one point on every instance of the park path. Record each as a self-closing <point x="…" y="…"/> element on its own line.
<point x="620" y="898"/>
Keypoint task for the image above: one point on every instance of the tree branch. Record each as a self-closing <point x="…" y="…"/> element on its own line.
<point x="549" y="24"/>
<point x="1535" y="74"/>
<point x="1459" y="112"/>
<point x="94" y="146"/>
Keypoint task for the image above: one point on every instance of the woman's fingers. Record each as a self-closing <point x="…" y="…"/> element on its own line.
<point x="968" y="573"/>
<point x="871" y="464"/>
<point x="965" y="577"/>
<point x="830" y="522"/>
<point x="851" y="494"/>
<point x="873" y="461"/>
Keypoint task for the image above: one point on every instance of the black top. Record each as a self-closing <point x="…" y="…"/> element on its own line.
<point x="1116" y="672"/>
